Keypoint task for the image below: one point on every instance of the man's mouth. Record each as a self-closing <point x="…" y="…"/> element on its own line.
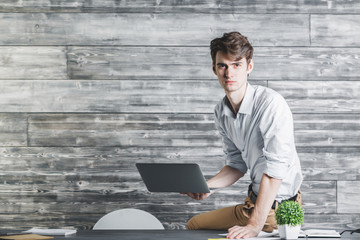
<point x="230" y="82"/>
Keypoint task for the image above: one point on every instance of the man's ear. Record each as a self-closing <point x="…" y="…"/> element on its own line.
<point x="250" y="67"/>
<point x="213" y="68"/>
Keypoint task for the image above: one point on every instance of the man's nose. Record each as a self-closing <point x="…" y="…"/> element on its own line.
<point x="228" y="72"/>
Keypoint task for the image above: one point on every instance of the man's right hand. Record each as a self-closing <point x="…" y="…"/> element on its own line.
<point x="198" y="196"/>
<point x="224" y="178"/>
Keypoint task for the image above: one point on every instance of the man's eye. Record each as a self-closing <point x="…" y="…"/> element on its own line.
<point x="237" y="65"/>
<point x="221" y="66"/>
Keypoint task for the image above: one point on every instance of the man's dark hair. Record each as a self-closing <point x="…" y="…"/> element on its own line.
<point x="233" y="43"/>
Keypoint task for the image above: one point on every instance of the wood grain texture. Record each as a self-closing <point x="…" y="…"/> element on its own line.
<point x="50" y="220"/>
<point x="174" y="130"/>
<point x="343" y="157"/>
<point x="123" y="130"/>
<point x="139" y="63"/>
<point x="319" y="197"/>
<point x="327" y="129"/>
<point x="13" y="129"/>
<point x="329" y="163"/>
<point x="89" y="88"/>
<point x="166" y="96"/>
<point x="96" y="159"/>
<point x="187" y="6"/>
<point x="83" y="183"/>
<point x="335" y="30"/>
<point x="32" y="63"/>
<point x="149" y="96"/>
<point x="144" y="29"/>
<point x="169" y="220"/>
<point x="92" y="198"/>
<point x="331" y="221"/>
<point x="102" y="191"/>
<point x="348" y="196"/>
<point x="280" y="63"/>
<point x="320" y="64"/>
<point x="318" y="164"/>
<point x="320" y="96"/>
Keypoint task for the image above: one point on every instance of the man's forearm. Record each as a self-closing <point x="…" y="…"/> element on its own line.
<point x="225" y="177"/>
<point x="268" y="189"/>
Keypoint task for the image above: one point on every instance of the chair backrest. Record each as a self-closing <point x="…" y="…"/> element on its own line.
<point x="128" y="218"/>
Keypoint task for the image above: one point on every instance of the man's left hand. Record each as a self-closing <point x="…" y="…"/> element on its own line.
<point x="248" y="231"/>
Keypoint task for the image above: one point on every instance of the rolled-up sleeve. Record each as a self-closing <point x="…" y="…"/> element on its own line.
<point x="276" y="127"/>
<point x="233" y="154"/>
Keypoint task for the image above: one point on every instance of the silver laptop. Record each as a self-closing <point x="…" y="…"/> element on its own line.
<point x="173" y="177"/>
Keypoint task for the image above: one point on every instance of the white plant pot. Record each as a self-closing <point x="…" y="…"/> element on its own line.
<point x="289" y="232"/>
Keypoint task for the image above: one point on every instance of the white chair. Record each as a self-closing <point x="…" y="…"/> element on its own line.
<point x="128" y="218"/>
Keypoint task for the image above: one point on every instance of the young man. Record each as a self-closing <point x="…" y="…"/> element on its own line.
<point x="256" y="126"/>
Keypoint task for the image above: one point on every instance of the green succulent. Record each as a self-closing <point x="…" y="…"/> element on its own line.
<point x="289" y="212"/>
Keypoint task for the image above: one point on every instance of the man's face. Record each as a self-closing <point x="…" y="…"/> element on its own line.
<point x="232" y="74"/>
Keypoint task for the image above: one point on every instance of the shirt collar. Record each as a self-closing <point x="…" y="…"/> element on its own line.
<point x="248" y="101"/>
<point x="246" y="104"/>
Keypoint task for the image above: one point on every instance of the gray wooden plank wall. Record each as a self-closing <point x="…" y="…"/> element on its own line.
<point x="89" y="88"/>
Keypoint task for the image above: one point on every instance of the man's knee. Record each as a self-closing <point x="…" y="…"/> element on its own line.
<point x="192" y="224"/>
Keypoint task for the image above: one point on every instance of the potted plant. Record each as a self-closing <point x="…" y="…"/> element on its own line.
<point x="289" y="217"/>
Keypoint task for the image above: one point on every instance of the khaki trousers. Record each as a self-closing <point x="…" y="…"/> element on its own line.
<point x="225" y="218"/>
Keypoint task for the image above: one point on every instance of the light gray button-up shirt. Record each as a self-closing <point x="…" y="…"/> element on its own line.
<point x="260" y="138"/>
